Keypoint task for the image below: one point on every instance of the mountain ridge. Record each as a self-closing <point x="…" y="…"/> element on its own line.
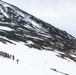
<point x="19" y="26"/>
<point x="35" y="46"/>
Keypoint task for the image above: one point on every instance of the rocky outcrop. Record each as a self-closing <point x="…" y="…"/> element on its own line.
<point x="19" y="26"/>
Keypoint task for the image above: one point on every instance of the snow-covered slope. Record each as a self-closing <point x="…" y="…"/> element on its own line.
<point x="30" y="46"/>
<point x="34" y="62"/>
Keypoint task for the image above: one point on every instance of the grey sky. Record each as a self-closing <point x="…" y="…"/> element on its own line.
<point x="59" y="13"/>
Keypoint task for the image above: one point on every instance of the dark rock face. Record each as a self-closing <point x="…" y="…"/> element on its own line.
<point x="27" y="28"/>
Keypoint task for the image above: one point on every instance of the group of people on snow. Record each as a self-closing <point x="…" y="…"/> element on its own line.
<point x="7" y="55"/>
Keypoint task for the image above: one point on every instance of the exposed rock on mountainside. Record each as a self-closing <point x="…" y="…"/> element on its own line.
<point x="19" y="26"/>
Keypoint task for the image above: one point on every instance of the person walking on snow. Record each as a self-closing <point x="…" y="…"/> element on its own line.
<point x="17" y="61"/>
<point x="13" y="57"/>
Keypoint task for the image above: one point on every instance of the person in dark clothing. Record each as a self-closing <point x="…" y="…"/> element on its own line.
<point x="17" y="61"/>
<point x="9" y="56"/>
<point x="5" y="55"/>
<point x="1" y="53"/>
<point x="13" y="57"/>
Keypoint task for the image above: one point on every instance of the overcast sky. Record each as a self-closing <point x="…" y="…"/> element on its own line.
<point x="59" y="13"/>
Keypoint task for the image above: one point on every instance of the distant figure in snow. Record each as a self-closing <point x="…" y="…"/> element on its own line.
<point x="10" y="56"/>
<point x="13" y="57"/>
<point x="4" y="54"/>
<point x="17" y="61"/>
<point x="7" y="55"/>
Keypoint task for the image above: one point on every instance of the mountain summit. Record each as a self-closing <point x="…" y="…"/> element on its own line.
<point x="18" y="26"/>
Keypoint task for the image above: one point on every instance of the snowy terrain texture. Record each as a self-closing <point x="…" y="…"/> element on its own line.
<point x="30" y="46"/>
